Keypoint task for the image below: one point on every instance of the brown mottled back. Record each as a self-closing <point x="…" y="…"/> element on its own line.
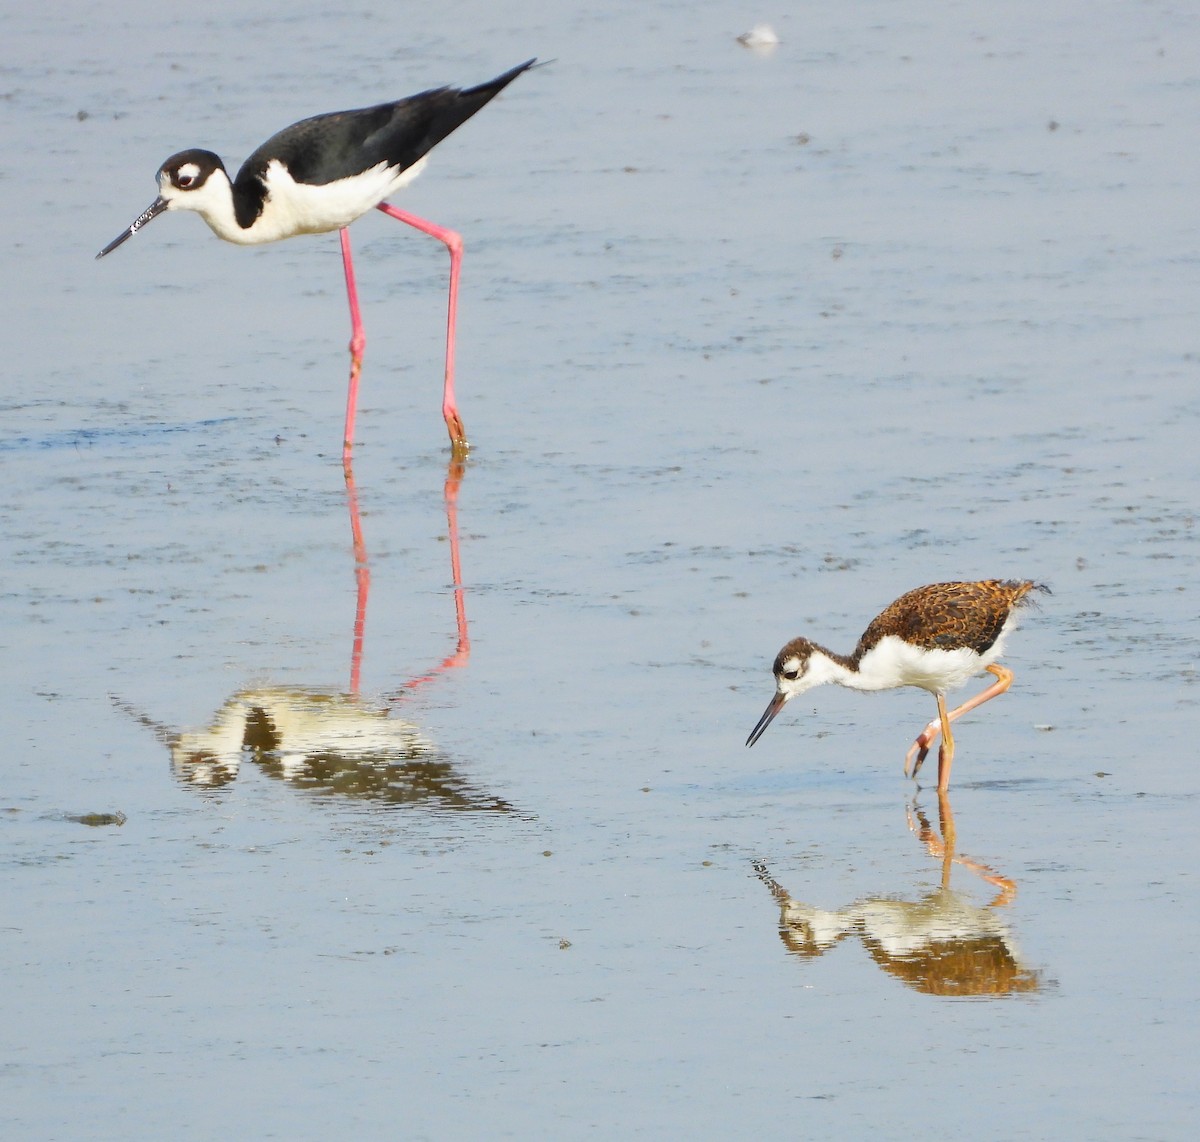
<point x="947" y="616"/>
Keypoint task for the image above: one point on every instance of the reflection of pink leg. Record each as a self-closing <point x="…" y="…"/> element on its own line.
<point x="920" y="747"/>
<point x="454" y="476"/>
<point x="358" y="342"/>
<point x="462" y="649"/>
<point x="453" y="242"/>
<point x="362" y="575"/>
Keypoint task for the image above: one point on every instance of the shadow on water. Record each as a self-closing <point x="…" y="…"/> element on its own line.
<point x="336" y="743"/>
<point x="941" y="943"/>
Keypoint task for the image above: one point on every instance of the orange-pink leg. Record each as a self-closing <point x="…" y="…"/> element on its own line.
<point x="946" y="749"/>
<point x="920" y="747"/>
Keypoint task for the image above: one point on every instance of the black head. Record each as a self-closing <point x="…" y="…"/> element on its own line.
<point x="183" y="174"/>
<point x="187" y="171"/>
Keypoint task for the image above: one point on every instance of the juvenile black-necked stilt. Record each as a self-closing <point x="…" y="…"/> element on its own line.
<point x="321" y="174"/>
<point x="934" y="637"/>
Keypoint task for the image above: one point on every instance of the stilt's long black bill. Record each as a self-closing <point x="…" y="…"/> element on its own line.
<point x="151" y="212"/>
<point x="769" y="713"/>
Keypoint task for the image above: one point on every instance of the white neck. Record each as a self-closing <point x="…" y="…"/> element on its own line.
<point x="213" y="202"/>
<point x="825" y="667"/>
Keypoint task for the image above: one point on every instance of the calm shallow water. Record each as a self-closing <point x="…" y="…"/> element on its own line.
<point x="748" y="346"/>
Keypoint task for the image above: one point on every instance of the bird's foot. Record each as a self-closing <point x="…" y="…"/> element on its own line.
<point x="920" y="749"/>
<point x="459" y="445"/>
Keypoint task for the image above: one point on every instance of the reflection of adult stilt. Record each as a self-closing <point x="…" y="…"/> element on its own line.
<point x="362" y="575"/>
<point x="330" y="743"/>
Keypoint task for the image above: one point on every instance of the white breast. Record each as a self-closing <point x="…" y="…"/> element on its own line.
<point x="294" y="207"/>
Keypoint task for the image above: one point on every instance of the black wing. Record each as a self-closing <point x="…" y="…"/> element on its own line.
<point x="337" y="145"/>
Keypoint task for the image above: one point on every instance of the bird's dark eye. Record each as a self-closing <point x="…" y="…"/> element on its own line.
<point x="183" y="181"/>
<point x="791" y="675"/>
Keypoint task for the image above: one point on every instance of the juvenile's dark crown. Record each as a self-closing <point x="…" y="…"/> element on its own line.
<point x="792" y="661"/>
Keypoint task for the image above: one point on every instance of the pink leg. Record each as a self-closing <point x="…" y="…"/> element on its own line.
<point x="453" y="242"/>
<point x="358" y="342"/>
<point x="920" y="747"/>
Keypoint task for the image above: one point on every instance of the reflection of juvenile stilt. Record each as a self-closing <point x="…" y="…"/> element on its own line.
<point x="940" y="943"/>
<point x="943" y="849"/>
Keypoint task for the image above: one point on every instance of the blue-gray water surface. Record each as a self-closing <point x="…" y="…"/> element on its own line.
<point x="749" y="344"/>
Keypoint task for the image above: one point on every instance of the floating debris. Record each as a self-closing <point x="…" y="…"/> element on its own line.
<point x="96" y="820"/>
<point x="761" y="38"/>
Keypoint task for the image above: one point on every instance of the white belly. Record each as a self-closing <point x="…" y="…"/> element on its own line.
<point x="893" y="662"/>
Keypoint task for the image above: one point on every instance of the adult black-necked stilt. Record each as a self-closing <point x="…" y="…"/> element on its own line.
<point x="321" y="174"/>
<point x="934" y="637"/>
